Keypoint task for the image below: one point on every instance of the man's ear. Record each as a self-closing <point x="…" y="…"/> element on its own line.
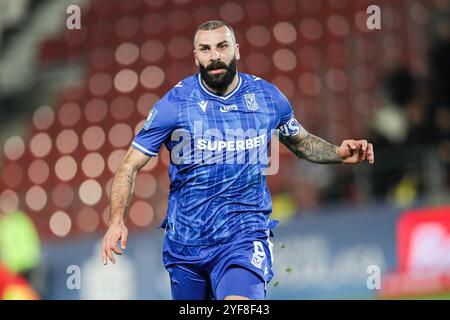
<point x="195" y="58"/>
<point x="238" y="55"/>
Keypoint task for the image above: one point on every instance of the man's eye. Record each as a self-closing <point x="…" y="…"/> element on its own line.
<point x="204" y="49"/>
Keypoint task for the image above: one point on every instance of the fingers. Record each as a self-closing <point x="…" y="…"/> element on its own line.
<point x="107" y="250"/>
<point x="370" y="154"/>
<point x="109" y="246"/>
<point x="367" y="151"/>
<point x="351" y="144"/>
<point x="359" y="150"/>
<point x="362" y="147"/>
<point x="124" y="238"/>
<point x="363" y="144"/>
<point x="107" y="254"/>
<point x="347" y="148"/>
<point x="110" y="255"/>
<point x="116" y="249"/>
<point x="104" y="259"/>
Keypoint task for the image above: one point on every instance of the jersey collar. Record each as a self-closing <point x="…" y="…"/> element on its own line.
<point x="209" y="92"/>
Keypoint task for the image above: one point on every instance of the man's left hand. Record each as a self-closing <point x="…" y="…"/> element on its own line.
<point x="356" y="151"/>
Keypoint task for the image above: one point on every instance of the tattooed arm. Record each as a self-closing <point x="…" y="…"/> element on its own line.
<point x="309" y="147"/>
<point x="122" y="190"/>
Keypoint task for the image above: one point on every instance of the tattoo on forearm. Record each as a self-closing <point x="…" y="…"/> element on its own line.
<point x="122" y="190"/>
<point x="312" y="148"/>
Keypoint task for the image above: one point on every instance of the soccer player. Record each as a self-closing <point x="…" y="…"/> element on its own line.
<point x="217" y="126"/>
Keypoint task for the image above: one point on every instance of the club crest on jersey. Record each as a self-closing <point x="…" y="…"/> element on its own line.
<point x="250" y="101"/>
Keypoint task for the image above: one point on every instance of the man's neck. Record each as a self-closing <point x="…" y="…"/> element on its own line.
<point x="229" y="89"/>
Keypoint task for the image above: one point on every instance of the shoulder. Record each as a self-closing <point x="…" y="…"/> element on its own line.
<point x="179" y="92"/>
<point x="255" y="81"/>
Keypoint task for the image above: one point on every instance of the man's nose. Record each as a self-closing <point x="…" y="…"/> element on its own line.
<point x="215" y="55"/>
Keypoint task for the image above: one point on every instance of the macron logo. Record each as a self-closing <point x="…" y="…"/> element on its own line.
<point x="224" y="108"/>
<point x="203" y="104"/>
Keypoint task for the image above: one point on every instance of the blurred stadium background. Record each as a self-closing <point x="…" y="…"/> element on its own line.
<point x="71" y="101"/>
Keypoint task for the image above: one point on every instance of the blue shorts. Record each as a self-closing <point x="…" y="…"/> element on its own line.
<point x="241" y="267"/>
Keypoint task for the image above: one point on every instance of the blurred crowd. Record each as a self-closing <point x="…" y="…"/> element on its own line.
<point x="412" y="124"/>
<point x="410" y="130"/>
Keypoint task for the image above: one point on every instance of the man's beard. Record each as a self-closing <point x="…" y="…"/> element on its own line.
<point x="219" y="82"/>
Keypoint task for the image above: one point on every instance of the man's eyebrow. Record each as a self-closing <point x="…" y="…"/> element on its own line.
<point x="217" y="45"/>
<point x="222" y="42"/>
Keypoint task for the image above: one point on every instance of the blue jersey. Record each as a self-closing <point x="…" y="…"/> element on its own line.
<point x="218" y="147"/>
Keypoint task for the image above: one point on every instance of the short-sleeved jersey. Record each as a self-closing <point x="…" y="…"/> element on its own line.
<point x="218" y="149"/>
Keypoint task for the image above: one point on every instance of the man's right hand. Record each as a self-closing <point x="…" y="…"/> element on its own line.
<point x="116" y="231"/>
<point x="121" y="191"/>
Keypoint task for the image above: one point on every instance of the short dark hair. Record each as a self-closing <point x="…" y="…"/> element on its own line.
<point x="213" y="25"/>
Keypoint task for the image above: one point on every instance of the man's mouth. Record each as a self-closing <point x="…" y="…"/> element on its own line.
<point x="217" y="71"/>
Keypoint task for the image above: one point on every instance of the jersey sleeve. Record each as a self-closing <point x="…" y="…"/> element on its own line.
<point x="158" y="127"/>
<point x="288" y="125"/>
<point x="283" y="106"/>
